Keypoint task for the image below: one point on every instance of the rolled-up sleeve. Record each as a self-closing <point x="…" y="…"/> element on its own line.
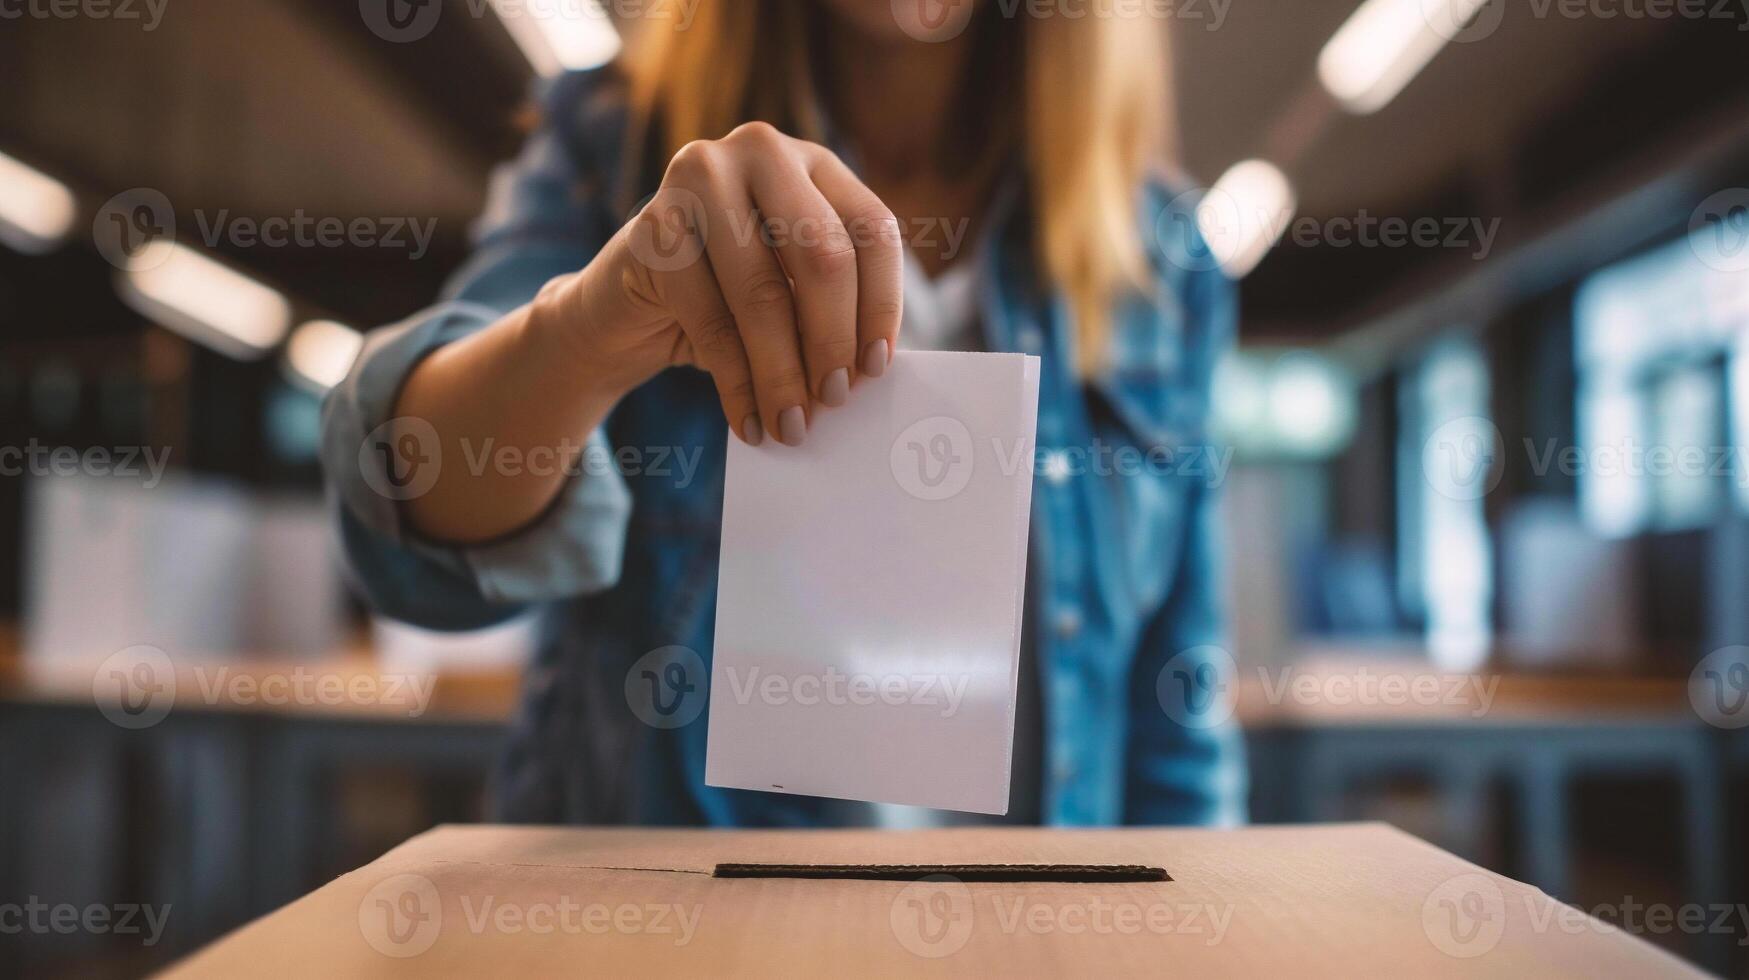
<point x="538" y="224"/>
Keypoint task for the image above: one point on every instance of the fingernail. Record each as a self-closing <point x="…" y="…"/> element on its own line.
<point x="874" y="359"/>
<point x="835" y="391"/>
<point x="751" y="431"/>
<point x="792" y="425"/>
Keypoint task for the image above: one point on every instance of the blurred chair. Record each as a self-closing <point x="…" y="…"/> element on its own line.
<point x="1568" y="597"/>
<point x="1347" y="589"/>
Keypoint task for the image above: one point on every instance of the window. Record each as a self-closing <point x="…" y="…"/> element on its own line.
<point x="1448" y="460"/>
<point x="1660" y="357"/>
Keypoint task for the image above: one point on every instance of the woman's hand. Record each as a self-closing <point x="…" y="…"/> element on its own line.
<point x="763" y="260"/>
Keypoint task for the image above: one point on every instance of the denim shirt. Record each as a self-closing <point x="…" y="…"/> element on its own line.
<point x="1125" y="608"/>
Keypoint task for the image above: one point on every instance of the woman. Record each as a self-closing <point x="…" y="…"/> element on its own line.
<point x="831" y="180"/>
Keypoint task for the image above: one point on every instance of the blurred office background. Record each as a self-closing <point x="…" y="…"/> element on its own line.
<point x="1488" y="512"/>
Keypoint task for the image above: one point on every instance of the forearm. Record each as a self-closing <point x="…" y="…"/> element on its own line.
<point x="511" y="407"/>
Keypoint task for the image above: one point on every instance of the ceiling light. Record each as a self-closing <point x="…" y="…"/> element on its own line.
<point x="557" y="35"/>
<point x="320" y="353"/>
<point x="1244" y="214"/>
<point x="209" y="303"/>
<point x="36" y="210"/>
<point x="1385" y="44"/>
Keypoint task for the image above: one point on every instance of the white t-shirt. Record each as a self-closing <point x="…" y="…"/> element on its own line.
<point x="940" y="313"/>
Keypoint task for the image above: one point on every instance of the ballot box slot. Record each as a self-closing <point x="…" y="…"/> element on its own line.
<point x="1081" y="873"/>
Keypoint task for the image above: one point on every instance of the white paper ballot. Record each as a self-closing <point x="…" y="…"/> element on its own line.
<point x="871" y="590"/>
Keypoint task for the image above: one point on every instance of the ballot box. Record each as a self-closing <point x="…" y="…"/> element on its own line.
<point x="1338" y="900"/>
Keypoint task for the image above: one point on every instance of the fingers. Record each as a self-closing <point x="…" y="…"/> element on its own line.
<point x="697" y="304"/>
<point x="880" y="260"/>
<point x="795" y="291"/>
<point x="753" y="285"/>
<point x="818" y="254"/>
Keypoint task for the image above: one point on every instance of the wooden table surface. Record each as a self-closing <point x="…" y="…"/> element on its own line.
<point x="1314" y="691"/>
<point x="350" y="683"/>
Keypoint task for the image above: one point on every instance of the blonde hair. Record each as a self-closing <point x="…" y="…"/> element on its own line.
<point x="1093" y="121"/>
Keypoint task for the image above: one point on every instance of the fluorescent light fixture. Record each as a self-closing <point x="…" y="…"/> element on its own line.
<point x="560" y="35"/>
<point x="320" y="353"/>
<point x="1385" y="44"/>
<point x="209" y="303"/>
<point x="1245" y="213"/>
<point x="36" y="210"/>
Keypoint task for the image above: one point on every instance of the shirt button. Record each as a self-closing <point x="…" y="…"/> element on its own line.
<point x="1063" y="771"/>
<point x="1056" y="467"/>
<point x="1067" y="623"/>
<point x="1030" y="340"/>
